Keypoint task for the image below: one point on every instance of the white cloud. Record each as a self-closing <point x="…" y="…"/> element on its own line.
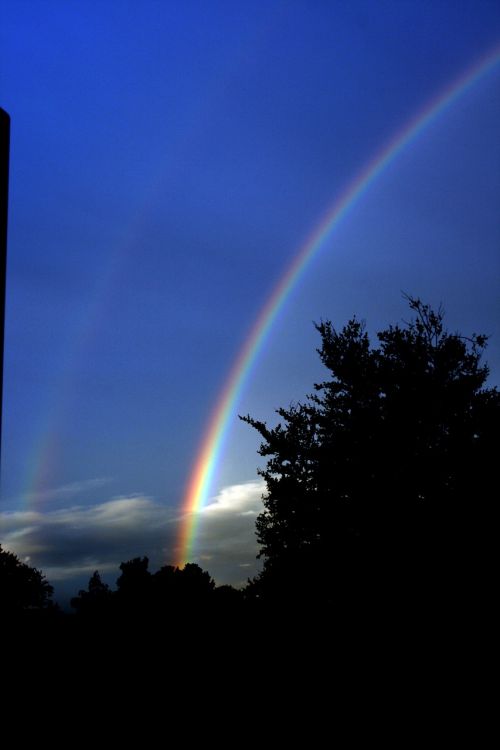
<point x="237" y="500"/>
<point x="226" y="533"/>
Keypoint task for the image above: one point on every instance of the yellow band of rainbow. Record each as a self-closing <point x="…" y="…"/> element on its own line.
<point x="221" y="420"/>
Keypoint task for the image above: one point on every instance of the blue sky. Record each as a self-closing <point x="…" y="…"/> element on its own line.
<point x="168" y="159"/>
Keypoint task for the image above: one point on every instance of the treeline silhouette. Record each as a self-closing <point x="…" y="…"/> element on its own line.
<point x="140" y="596"/>
<point x="156" y="596"/>
<point x="379" y="505"/>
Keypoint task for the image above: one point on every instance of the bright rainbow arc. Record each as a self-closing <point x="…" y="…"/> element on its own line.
<point x="212" y="446"/>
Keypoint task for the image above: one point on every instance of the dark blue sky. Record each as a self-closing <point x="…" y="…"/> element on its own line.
<point x="168" y="160"/>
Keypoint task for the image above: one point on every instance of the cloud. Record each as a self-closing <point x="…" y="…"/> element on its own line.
<point x="69" y="543"/>
<point x="226" y="533"/>
<point x="68" y="490"/>
<point x="237" y="499"/>
<point x="98" y="535"/>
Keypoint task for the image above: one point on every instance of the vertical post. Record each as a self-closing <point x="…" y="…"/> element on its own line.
<point x="4" y="195"/>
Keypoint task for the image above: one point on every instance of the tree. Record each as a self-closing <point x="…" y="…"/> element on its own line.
<point x="22" y="587"/>
<point x="134" y="586"/>
<point x="379" y="485"/>
<point x="174" y="587"/>
<point x="171" y="591"/>
<point x="96" y="601"/>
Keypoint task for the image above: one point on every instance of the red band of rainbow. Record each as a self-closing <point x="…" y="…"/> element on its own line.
<point x="216" y="433"/>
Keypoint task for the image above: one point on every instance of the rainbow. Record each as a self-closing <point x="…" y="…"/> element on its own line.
<point x="219" y="425"/>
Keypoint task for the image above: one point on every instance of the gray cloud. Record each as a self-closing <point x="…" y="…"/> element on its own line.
<point x="99" y="535"/>
<point x="68" y="544"/>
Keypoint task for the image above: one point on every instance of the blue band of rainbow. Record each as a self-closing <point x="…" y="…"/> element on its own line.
<point x="221" y="420"/>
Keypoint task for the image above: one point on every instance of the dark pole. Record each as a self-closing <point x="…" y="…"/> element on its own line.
<point x="4" y="196"/>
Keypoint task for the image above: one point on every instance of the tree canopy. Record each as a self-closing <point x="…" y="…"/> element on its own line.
<point x="140" y="593"/>
<point x="380" y="482"/>
<point x="22" y="587"/>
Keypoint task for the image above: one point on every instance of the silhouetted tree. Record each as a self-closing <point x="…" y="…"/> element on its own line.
<point x="379" y="485"/>
<point x="228" y="600"/>
<point x="175" y="589"/>
<point x="22" y="587"/>
<point x="96" y="601"/>
<point x="134" y="585"/>
<point x="196" y="583"/>
<point x="170" y="591"/>
<point x="135" y="575"/>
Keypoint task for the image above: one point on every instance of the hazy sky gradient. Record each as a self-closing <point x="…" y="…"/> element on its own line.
<point x="168" y="160"/>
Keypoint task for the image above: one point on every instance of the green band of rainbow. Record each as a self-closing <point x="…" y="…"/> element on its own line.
<point x="213" y="443"/>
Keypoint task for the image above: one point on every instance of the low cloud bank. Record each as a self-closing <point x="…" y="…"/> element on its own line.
<point x="68" y="544"/>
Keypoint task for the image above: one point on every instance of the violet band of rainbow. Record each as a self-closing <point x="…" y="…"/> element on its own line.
<point x="212" y="446"/>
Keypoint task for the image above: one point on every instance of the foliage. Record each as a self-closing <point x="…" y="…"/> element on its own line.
<point x="96" y="600"/>
<point x="144" y="594"/>
<point x="22" y="587"/>
<point x="380" y="481"/>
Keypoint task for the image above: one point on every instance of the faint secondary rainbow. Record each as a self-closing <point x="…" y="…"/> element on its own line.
<point x="216" y="433"/>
